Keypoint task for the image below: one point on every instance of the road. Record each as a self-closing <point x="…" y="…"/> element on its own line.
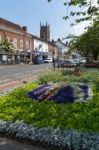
<point x="10" y="73"/>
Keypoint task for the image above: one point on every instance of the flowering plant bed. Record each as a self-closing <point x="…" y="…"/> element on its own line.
<point x="62" y="93"/>
<point x="73" y="126"/>
<point x="57" y="138"/>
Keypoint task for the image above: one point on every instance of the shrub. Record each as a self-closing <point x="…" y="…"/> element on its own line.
<point x="52" y="77"/>
<point x="67" y="139"/>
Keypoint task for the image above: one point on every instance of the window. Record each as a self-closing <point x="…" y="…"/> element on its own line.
<point x="40" y="46"/>
<point x="15" y="42"/>
<point x="21" y="43"/>
<point x="27" y="44"/>
<point x="11" y="39"/>
<point x="8" y="38"/>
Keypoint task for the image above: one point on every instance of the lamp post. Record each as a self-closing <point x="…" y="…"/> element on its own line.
<point x="53" y="55"/>
<point x="24" y="29"/>
<point x="58" y="58"/>
<point x="24" y="48"/>
<point x="53" y="59"/>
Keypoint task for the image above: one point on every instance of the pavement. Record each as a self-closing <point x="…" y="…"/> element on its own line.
<point x="17" y="83"/>
<point x="4" y="66"/>
<point x="17" y="72"/>
<point x="11" y="83"/>
<point x="6" y="144"/>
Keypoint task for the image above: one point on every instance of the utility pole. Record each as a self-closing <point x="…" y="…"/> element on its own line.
<point x="24" y="28"/>
<point x="24" y="48"/>
<point x="53" y="55"/>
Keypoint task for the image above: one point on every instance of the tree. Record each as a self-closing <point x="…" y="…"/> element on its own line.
<point x="7" y="47"/>
<point x="86" y="9"/>
<point x="87" y="43"/>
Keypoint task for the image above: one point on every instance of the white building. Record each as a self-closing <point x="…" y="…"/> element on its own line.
<point x="40" y="48"/>
<point x="62" y="49"/>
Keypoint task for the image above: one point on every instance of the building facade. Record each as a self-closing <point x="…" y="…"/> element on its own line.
<point x="40" y="49"/>
<point x="62" y="49"/>
<point x="27" y="45"/>
<point x="19" y="37"/>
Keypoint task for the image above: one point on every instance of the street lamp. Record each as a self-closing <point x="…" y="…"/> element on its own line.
<point x="24" y="49"/>
<point x="24" y="28"/>
<point x="53" y="59"/>
<point x="58" y="58"/>
<point x="53" y="55"/>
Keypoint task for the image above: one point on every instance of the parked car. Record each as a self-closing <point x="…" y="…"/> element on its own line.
<point x="66" y="63"/>
<point x="82" y="61"/>
<point x="48" y="60"/>
<point x="76" y="61"/>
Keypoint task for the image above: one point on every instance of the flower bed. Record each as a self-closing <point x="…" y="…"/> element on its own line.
<point x="62" y="93"/>
<point x="72" y="126"/>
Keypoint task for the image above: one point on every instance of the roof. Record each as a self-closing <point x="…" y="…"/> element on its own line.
<point x="61" y="43"/>
<point x="18" y="27"/>
<point x="9" y="23"/>
<point x="38" y="38"/>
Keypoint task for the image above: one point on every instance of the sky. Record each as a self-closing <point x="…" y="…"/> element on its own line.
<point x="31" y="12"/>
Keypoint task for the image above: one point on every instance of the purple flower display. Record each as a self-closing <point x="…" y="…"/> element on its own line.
<point x="84" y="90"/>
<point x="61" y="93"/>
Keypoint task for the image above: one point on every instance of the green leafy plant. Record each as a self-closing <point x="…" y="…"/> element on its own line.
<point x="8" y="46"/>
<point x="82" y="116"/>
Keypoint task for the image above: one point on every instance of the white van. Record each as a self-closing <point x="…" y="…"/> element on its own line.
<point x="48" y="60"/>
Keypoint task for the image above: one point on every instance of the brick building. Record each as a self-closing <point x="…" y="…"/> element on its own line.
<point x="19" y="37"/>
<point x="26" y="44"/>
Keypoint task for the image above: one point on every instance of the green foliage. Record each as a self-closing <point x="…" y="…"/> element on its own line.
<point x="82" y="116"/>
<point x="52" y="77"/>
<point x="88" y="42"/>
<point x="89" y="76"/>
<point x="86" y="9"/>
<point x="8" y="47"/>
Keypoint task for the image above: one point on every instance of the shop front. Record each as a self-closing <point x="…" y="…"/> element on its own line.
<point x="6" y="59"/>
<point x="39" y="56"/>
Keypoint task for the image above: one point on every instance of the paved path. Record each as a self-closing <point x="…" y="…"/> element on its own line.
<point x="19" y="71"/>
<point x="19" y="82"/>
<point x="14" y="76"/>
<point x="6" y="144"/>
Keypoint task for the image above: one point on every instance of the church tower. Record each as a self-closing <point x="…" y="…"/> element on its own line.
<point x="45" y="32"/>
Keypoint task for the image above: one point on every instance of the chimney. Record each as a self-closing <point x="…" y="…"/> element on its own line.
<point x="66" y="43"/>
<point x="58" y="39"/>
<point x="24" y="29"/>
<point x="53" y="41"/>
